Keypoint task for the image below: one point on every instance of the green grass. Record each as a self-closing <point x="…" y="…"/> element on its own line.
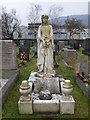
<point x="10" y="106"/>
<point x="81" y="56"/>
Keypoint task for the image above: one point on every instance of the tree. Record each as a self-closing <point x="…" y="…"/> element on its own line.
<point x="54" y="13"/>
<point x="74" y="25"/>
<point x="34" y="14"/>
<point x="10" y="23"/>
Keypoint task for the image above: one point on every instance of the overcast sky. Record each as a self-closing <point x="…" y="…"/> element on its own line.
<point x="70" y="7"/>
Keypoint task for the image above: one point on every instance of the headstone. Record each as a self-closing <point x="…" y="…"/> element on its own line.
<point x="35" y="50"/>
<point x="8" y="66"/>
<point x="84" y="67"/>
<point x="8" y="54"/>
<point x="24" y="48"/>
<point x="76" y="46"/>
<point x="69" y="54"/>
<point x="86" y="46"/>
<point x="61" y="44"/>
<point x="57" y="48"/>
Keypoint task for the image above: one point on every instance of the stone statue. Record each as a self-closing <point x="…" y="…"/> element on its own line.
<point x="45" y="47"/>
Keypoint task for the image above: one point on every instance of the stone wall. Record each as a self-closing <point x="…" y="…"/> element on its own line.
<point x="8" y="54"/>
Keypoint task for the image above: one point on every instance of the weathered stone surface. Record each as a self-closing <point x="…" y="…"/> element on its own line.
<point x="46" y="106"/>
<point x="25" y="107"/>
<point x="0" y="29"/>
<point x="0" y="104"/>
<point x="82" y="66"/>
<point x="44" y="83"/>
<point x="69" y="54"/>
<point x="67" y="106"/>
<point x="8" y="83"/>
<point x="8" y="54"/>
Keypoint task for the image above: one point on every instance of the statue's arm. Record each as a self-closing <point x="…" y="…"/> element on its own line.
<point x="39" y="34"/>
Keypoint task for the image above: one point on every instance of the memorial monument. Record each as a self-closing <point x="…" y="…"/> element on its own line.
<point x="8" y="66"/>
<point x="41" y="93"/>
<point x="45" y="47"/>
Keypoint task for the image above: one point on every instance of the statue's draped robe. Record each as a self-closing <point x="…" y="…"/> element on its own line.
<point x="45" y="54"/>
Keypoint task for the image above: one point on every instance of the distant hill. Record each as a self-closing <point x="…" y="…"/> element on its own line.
<point x="84" y="18"/>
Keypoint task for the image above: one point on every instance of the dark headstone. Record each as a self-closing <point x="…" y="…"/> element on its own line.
<point x="61" y="44"/>
<point x="56" y="47"/>
<point x="86" y="46"/>
<point x="24" y="48"/>
<point x="76" y="46"/>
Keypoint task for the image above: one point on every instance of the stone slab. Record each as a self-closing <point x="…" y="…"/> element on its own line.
<point x="25" y="107"/>
<point x="46" y="106"/>
<point x="69" y="54"/>
<point x="7" y="84"/>
<point x="84" y="88"/>
<point x="67" y="106"/>
<point x="8" y="54"/>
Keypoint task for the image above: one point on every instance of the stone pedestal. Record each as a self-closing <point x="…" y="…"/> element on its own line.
<point x="67" y="105"/>
<point x="40" y="83"/>
<point x="46" y="106"/>
<point x="25" y="107"/>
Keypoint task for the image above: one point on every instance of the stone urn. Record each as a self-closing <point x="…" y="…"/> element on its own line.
<point x="45" y="95"/>
<point x="25" y="91"/>
<point x="67" y="88"/>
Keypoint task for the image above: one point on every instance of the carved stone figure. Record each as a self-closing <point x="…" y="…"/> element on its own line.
<point x="45" y="47"/>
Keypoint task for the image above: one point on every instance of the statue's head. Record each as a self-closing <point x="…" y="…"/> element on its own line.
<point x="44" y="19"/>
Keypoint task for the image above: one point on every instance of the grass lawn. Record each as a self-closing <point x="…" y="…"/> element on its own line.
<point x="10" y="106"/>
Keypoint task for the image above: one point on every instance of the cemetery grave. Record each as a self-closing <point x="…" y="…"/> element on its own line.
<point x="69" y="57"/>
<point x="8" y="67"/>
<point x="10" y="105"/>
<point x="42" y="89"/>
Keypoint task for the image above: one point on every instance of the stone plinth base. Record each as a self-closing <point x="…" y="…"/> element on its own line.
<point x="25" y="107"/>
<point x="67" y="106"/>
<point x="57" y="104"/>
<point x="46" y="106"/>
<point x="50" y="83"/>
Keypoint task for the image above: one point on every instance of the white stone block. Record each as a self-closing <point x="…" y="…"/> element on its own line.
<point x="25" y="107"/>
<point x="67" y="106"/>
<point x="46" y="106"/>
<point x="32" y="77"/>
